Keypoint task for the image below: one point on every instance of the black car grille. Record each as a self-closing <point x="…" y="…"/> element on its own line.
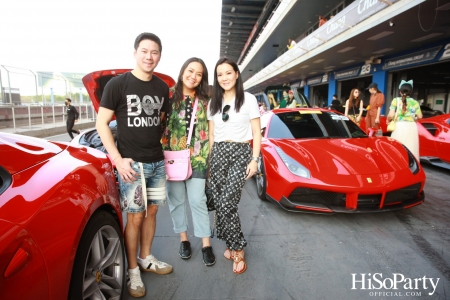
<point x="404" y="194"/>
<point x="369" y="201"/>
<point x="306" y="195"/>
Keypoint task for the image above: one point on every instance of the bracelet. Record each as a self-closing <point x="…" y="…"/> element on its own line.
<point x="116" y="157"/>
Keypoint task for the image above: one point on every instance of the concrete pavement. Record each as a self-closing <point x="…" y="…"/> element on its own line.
<point x="310" y="256"/>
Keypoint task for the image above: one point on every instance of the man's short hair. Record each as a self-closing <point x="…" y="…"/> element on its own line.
<point x="68" y="99"/>
<point x="147" y="36"/>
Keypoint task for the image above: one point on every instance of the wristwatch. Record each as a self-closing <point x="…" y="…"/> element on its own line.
<point x="255" y="159"/>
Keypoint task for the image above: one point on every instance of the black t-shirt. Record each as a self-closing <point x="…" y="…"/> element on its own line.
<point x="72" y="113"/>
<point x="137" y="105"/>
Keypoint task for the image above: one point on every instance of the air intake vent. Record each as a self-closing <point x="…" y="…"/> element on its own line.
<point x="404" y="194"/>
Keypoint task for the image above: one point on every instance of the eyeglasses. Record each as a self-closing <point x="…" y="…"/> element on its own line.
<point x="225" y="115"/>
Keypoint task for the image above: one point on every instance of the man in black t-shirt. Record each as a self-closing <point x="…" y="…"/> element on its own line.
<point x="72" y="117"/>
<point x="139" y="101"/>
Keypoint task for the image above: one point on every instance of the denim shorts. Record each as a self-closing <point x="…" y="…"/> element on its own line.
<point x="131" y="196"/>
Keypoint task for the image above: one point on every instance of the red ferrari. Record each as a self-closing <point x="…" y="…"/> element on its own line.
<point x="316" y="160"/>
<point x="434" y="140"/>
<point x="60" y="222"/>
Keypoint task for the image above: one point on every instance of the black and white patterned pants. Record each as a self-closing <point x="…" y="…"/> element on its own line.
<point x="229" y="162"/>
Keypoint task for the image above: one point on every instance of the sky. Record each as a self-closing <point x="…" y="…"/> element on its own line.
<point x="83" y="36"/>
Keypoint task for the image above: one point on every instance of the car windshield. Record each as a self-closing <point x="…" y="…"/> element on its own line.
<point x="312" y="124"/>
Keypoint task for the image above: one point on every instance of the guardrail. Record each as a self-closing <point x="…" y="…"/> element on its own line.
<point x="14" y="116"/>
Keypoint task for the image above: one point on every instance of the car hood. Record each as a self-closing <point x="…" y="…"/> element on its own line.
<point x="347" y="156"/>
<point x="19" y="152"/>
<point x="95" y="83"/>
<point x="442" y="119"/>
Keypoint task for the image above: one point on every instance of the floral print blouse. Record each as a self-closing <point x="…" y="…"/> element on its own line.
<point x="412" y="108"/>
<point x="176" y="133"/>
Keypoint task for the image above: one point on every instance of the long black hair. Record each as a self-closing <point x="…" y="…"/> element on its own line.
<point x="405" y="91"/>
<point x="218" y="91"/>
<point x="201" y="91"/>
<point x="352" y="101"/>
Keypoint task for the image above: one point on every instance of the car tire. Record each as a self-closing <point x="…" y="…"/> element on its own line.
<point x="260" y="178"/>
<point x="99" y="265"/>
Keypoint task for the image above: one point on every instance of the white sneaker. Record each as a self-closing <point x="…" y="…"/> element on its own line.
<point x="151" y="264"/>
<point x="135" y="285"/>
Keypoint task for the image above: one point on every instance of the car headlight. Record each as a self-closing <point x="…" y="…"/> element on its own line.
<point x="293" y="166"/>
<point x="413" y="165"/>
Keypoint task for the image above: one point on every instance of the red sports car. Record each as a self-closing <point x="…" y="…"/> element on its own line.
<point x="60" y="222"/>
<point x="316" y="160"/>
<point x="434" y="140"/>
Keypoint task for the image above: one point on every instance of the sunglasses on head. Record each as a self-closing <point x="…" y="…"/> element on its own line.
<point x="225" y="115"/>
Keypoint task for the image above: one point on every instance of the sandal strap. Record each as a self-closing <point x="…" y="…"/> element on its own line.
<point x="237" y="257"/>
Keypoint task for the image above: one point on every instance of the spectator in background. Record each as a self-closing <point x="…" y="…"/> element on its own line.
<point x="291" y="103"/>
<point x="283" y="101"/>
<point x="337" y="106"/>
<point x="376" y="103"/>
<point x="354" y="107"/>
<point x="322" y="20"/>
<point x="291" y="44"/>
<point x="407" y="111"/>
<point x="72" y="117"/>
<point x="272" y="102"/>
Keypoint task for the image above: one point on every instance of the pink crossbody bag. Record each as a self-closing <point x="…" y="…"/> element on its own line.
<point x="178" y="163"/>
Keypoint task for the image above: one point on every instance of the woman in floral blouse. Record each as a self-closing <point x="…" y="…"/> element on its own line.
<point x="406" y="112"/>
<point x="192" y="83"/>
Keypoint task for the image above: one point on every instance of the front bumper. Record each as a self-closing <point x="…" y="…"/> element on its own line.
<point x="321" y="201"/>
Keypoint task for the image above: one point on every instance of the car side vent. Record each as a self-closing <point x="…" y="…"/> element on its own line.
<point x="430" y="127"/>
<point x="5" y="180"/>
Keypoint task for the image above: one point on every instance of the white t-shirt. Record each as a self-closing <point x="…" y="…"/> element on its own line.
<point x="238" y="127"/>
<point x="292" y="105"/>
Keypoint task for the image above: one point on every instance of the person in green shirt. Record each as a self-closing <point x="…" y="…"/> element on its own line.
<point x="283" y="101"/>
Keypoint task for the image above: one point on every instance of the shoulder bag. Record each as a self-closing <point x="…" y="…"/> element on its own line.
<point x="178" y="163"/>
<point x="354" y="116"/>
<point x="391" y="125"/>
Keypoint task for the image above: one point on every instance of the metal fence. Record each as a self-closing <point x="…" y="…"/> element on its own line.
<point x="33" y="98"/>
<point x="29" y="116"/>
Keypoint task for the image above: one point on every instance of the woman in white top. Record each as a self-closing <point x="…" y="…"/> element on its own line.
<point x="354" y="107"/>
<point x="233" y="117"/>
<point x="292" y="43"/>
<point x="291" y="103"/>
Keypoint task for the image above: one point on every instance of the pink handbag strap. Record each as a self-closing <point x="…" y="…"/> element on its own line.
<point x="191" y="127"/>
